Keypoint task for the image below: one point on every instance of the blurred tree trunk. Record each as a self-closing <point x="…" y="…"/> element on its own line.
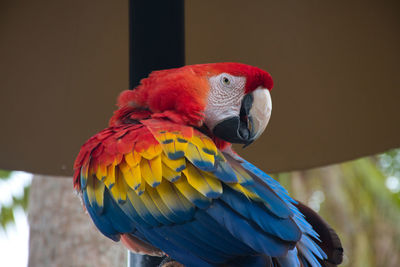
<point x="61" y="233"/>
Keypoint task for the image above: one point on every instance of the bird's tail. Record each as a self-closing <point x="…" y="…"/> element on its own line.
<point x="329" y="241"/>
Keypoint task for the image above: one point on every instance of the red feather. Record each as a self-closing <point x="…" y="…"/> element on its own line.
<point x="178" y="95"/>
<point x="108" y="147"/>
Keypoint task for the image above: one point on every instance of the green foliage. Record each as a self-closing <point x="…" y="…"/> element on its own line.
<point x="358" y="204"/>
<point x="6" y="216"/>
<point x="7" y="211"/>
<point x="389" y="162"/>
<point x="4" y="175"/>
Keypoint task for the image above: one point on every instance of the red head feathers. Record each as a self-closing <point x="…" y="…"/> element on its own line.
<point x="182" y="92"/>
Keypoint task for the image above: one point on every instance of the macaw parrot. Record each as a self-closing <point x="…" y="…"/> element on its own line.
<point x="164" y="180"/>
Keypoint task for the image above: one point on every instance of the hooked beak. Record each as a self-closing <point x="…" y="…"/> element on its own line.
<point x="255" y="112"/>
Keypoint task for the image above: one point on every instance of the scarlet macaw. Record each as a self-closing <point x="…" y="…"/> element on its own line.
<point x="164" y="179"/>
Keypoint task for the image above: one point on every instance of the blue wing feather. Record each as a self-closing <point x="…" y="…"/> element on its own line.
<point x="179" y="253"/>
<point x="142" y="218"/>
<point x="285" y="229"/>
<point x="306" y="246"/>
<point x="244" y="231"/>
<point x="290" y="260"/>
<point x="101" y="222"/>
<point x="205" y="224"/>
<point x="180" y="236"/>
<point x="112" y="211"/>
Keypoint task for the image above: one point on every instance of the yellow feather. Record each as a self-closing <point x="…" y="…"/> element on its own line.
<point x="205" y="144"/>
<point x="203" y="182"/>
<point x="132" y="176"/>
<point x="173" y="144"/>
<point x="101" y="172"/>
<point x="210" y="145"/>
<point x="141" y="189"/>
<point x="172" y="197"/>
<point x="244" y="191"/>
<point x="132" y="158"/>
<point x="109" y="181"/>
<point x="152" y="152"/>
<point x="85" y="170"/>
<point x="167" y="193"/>
<point x="119" y="190"/>
<point x="95" y="191"/>
<point x="198" y="157"/>
<point x="151" y="171"/>
<point x="188" y="191"/>
<point x="124" y="167"/>
<point x="242" y="176"/>
<point x="180" y="143"/>
<point x="84" y="175"/>
<point x="170" y="174"/>
<point x="99" y="193"/>
<point x="164" y="209"/>
<point x="174" y="164"/>
<point x="137" y="203"/>
<point x="90" y="189"/>
<point x="214" y="182"/>
<point x="149" y="203"/>
<point x="166" y="137"/>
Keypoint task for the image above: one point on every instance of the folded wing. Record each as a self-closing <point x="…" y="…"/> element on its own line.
<point x="166" y="187"/>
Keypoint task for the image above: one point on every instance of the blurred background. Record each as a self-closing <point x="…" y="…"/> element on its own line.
<point x="333" y="140"/>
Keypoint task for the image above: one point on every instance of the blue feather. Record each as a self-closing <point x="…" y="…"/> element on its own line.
<point x="290" y="260"/>
<point x="306" y="246"/>
<point x="204" y="239"/>
<point x="130" y="211"/>
<point x="307" y="242"/>
<point x="181" y="236"/>
<point x="273" y="202"/>
<point x="218" y="234"/>
<point x="178" y="253"/>
<point x="176" y="155"/>
<point x="242" y="230"/>
<point x="119" y="220"/>
<point x="285" y="229"/>
<point x="265" y="187"/>
<point x="165" y="210"/>
<point x="304" y="262"/>
<point x="150" y="207"/>
<point x="224" y="172"/>
<point x="101" y="222"/>
<point x="251" y="261"/>
<point x="136" y="204"/>
<point x="308" y="255"/>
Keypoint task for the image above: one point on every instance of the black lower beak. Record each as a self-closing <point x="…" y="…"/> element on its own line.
<point x="237" y="129"/>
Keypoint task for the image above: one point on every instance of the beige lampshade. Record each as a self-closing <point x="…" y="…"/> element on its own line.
<point x="335" y="65"/>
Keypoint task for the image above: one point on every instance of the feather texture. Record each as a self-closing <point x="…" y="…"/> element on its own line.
<point x="169" y="185"/>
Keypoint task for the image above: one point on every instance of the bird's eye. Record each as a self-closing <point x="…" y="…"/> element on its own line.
<point x="226" y="81"/>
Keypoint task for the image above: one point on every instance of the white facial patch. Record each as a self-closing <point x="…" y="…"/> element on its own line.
<point x="224" y="98"/>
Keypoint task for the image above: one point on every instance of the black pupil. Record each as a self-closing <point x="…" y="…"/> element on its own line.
<point x="226" y="80"/>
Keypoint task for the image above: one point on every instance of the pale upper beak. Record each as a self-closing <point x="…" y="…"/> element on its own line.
<point x="250" y="123"/>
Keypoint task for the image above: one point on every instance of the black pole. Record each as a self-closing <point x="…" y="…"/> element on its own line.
<point x="156" y="41"/>
<point x="157" y="37"/>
